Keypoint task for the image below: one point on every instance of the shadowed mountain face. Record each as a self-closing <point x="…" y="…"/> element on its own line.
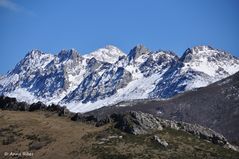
<point x="215" y="106"/>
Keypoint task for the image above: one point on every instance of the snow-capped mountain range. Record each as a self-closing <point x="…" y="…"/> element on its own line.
<point x="108" y="76"/>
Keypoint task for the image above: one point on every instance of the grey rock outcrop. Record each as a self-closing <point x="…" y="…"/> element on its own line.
<point x="160" y="141"/>
<point x="7" y="103"/>
<point x="137" y="51"/>
<point x="203" y="133"/>
<point x="37" y="106"/>
<point x="142" y="123"/>
<point x="136" y="122"/>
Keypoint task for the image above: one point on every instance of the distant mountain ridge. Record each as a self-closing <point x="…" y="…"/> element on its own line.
<point x="107" y="75"/>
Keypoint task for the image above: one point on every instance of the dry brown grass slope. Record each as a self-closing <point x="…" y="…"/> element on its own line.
<point x="49" y="136"/>
<point x="43" y="133"/>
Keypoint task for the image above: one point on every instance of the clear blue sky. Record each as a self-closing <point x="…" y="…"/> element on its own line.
<point x="51" y="25"/>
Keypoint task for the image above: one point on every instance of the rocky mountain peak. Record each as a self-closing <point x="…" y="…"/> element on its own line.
<point x="165" y="52"/>
<point x="202" y="48"/>
<point x="68" y="54"/>
<point x="137" y="51"/>
<point x="197" y="49"/>
<point x="35" y="53"/>
<point x="111" y="47"/>
<point x="33" y="61"/>
<point x="108" y="54"/>
<point x="112" y="50"/>
<point x="204" y="52"/>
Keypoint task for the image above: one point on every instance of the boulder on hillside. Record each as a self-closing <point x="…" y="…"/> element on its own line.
<point x="84" y="118"/>
<point x="160" y="141"/>
<point x="136" y="122"/>
<point x="23" y="106"/>
<point x="37" y="106"/>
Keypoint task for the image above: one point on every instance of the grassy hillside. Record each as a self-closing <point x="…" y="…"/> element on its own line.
<point x="46" y="135"/>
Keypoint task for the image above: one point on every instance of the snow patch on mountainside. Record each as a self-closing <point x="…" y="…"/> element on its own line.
<point x="137" y="89"/>
<point x="22" y="95"/>
<point x="108" y="54"/>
